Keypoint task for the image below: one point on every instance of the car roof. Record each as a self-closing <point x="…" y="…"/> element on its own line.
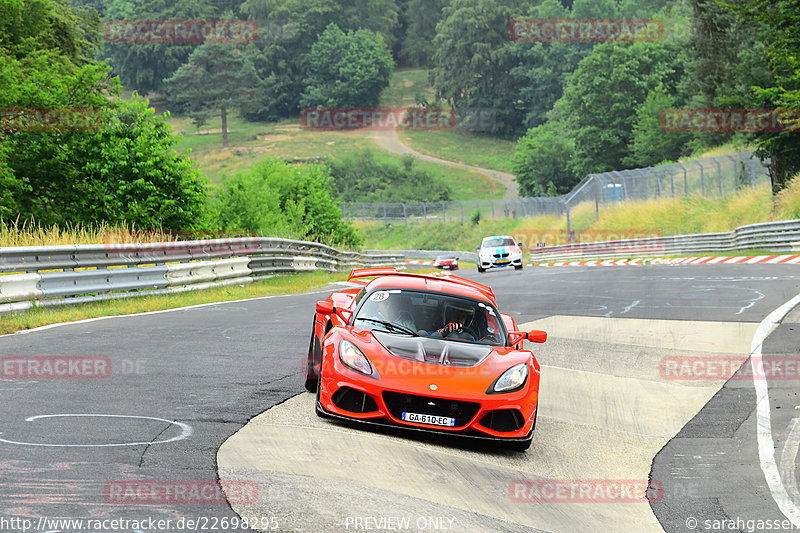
<point x="393" y="278"/>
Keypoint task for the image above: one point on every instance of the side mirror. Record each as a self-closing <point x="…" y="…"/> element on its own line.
<point x="521" y="245"/>
<point x="533" y="336"/>
<point x="477" y="248"/>
<point x="537" y="336"/>
<point x="325" y="308"/>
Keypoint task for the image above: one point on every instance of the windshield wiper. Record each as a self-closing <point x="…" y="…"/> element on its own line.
<point x="391" y="326"/>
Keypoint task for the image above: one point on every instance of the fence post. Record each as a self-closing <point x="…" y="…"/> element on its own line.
<point x="672" y="182"/>
<point x="685" y="181"/>
<point x="735" y="172"/>
<point x="444" y="213"/>
<point x="344" y="209"/>
<point x="384" y="212"/>
<point x="405" y="217"/>
<point x="596" y="198"/>
<point x="719" y="175"/>
<point x="460" y="203"/>
<point x="702" y="178"/>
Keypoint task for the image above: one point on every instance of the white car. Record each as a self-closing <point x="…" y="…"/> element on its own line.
<point x="499" y="251"/>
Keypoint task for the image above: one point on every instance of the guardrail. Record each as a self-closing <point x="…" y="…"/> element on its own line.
<point x="67" y="274"/>
<point x="769" y="236"/>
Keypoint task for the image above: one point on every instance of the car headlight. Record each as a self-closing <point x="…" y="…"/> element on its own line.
<point x="512" y="379"/>
<point x="354" y="358"/>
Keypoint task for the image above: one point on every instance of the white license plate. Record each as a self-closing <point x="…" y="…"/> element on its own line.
<point x="429" y="419"/>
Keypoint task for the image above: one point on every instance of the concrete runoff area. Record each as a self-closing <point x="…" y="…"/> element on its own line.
<point x="606" y="409"/>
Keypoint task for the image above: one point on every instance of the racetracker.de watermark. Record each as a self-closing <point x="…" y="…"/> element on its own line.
<point x="545" y="30"/>
<point x="378" y="118"/>
<point x="689" y="368"/>
<point x="181" y="492"/>
<point x="585" y="491"/>
<point x="55" y="367"/>
<point x="730" y="120"/>
<point x="630" y="240"/>
<point x="180" y="31"/>
<point x="15" y="119"/>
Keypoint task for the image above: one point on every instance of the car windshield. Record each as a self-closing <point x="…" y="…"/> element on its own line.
<point x="424" y="314"/>
<point x="498" y="241"/>
<point x="444" y="257"/>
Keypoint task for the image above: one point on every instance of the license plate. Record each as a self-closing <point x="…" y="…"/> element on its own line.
<point x="502" y="261"/>
<point x="429" y="419"/>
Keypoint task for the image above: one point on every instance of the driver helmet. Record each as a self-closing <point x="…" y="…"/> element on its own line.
<point x="461" y="313"/>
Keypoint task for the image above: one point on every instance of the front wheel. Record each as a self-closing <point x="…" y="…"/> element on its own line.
<point x="314" y="351"/>
<point x="481" y="269"/>
<point x="517" y="267"/>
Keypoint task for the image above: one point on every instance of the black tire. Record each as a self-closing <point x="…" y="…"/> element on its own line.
<point x="311" y="382"/>
<point x="481" y="269"/>
<point x="517" y="267"/>
<point x="317" y="404"/>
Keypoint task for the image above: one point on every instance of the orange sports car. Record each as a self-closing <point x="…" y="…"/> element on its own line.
<point x="425" y="352"/>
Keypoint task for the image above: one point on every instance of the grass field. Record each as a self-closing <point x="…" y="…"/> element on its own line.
<point x="404" y="86"/>
<point x="462" y="147"/>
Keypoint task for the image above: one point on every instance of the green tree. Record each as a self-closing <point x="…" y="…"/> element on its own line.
<point x="650" y="144"/>
<point x="282" y="59"/>
<point x="421" y="17"/>
<point x="347" y="69"/>
<point x="541" y="69"/>
<point x="602" y="95"/>
<point x="275" y="199"/>
<point x="217" y="77"/>
<point x="145" y="66"/>
<point x="130" y="172"/>
<point x="539" y="161"/>
<point x="780" y="20"/>
<point x="472" y="62"/>
<point x="360" y="177"/>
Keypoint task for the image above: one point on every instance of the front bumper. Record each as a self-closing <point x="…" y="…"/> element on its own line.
<point x="491" y="262"/>
<point x="503" y="417"/>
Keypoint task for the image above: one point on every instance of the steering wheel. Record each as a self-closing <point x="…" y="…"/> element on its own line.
<point x="469" y="331"/>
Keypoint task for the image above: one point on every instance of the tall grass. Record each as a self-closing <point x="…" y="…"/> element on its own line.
<point x="666" y="216"/>
<point x="31" y="233"/>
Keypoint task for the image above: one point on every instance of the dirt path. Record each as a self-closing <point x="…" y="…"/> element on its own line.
<point x="388" y="140"/>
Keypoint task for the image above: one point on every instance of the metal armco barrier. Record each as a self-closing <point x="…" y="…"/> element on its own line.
<point x="770" y="236"/>
<point x="65" y="274"/>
